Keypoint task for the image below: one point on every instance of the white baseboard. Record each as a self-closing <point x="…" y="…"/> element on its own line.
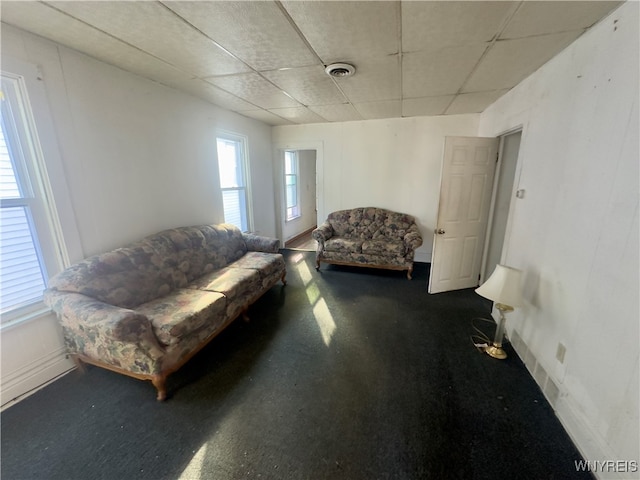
<point x="32" y="377"/>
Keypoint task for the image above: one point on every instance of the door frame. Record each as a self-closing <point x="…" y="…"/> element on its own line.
<point x="509" y="216"/>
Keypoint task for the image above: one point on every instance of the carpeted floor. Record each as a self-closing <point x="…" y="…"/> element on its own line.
<point x="342" y="374"/>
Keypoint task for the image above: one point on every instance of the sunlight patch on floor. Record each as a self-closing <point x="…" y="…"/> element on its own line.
<point x="321" y="312"/>
<point x="325" y="321"/>
<point x="193" y="471"/>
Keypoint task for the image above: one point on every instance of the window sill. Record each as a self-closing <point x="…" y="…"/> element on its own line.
<point x="291" y="219"/>
<point x="16" y="319"/>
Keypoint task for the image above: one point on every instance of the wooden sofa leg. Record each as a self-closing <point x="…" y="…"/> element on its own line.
<point x="409" y="272"/>
<point x="80" y="365"/>
<point x="283" y="279"/>
<point x="317" y="265"/>
<point x="160" y="382"/>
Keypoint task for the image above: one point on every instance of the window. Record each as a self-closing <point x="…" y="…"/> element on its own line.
<point x="27" y="247"/>
<point x="232" y="164"/>
<point x="291" y="168"/>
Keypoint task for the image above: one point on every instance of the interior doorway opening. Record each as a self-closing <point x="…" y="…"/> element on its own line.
<point x="503" y="195"/>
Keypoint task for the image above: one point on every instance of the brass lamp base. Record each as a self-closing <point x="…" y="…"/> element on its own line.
<point x="495" y="351"/>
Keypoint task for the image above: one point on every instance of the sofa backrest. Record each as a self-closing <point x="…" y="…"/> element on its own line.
<point x="370" y="223"/>
<point x="152" y="267"/>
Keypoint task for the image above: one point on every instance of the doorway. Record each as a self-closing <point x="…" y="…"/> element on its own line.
<point x="296" y="171"/>
<point x="503" y="194"/>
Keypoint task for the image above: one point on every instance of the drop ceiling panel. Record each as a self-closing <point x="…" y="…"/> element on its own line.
<point x="538" y="18"/>
<point x="427" y="106"/>
<point x="256" y="32"/>
<point x="337" y="113"/>
<point x="266" y="117"/>
<point x="375" y="79"/>
<point x="298" y="115"/>
<point x="348" y="31"/>
<point x="254" y="89"/>
<point x="308" y="85"/>
<point x="474" y="102"/>
<point x="211" y="93"/>
<point x="431" y="25"/>
<point x="154" y="29"/>
<point x="74" y="34"/>
<point x="439" y="72"/>
<point x="511" y="61"/>
<point x="384" y="109"/>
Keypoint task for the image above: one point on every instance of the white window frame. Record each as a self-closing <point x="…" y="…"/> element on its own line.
<point x="36" y="192"/>
<point x="292" y="210"/>
<point x="244" y="190"/>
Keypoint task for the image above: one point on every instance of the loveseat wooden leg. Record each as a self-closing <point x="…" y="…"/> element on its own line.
<point x="160" y="382"/>
<point x="317" y="265"/>
<point x="409" y="272"/>
<point x="283" y="278"/>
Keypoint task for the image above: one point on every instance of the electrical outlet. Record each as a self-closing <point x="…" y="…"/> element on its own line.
<point x="560" y="352"/>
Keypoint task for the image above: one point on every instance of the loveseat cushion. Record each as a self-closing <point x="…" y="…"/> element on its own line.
<point x="384" y="247"/>
<point x="183" y="312"/>
<point x="343" y="244"/>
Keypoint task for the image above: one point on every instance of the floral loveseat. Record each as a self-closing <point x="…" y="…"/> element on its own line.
<point x="368" y="237"/>
<point x="145" y="309"/>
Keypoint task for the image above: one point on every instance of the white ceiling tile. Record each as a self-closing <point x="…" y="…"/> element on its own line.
<point x="256" y="32"/>
<point x="426" y="106"/>
<point x="308" y="85"/>
<point x="266" y="117"/>
<point x="156" y="30"/>
<point x="433" y="25"/>
<point x="384" y="109"/>
<point x="337" y="113"/>
<point x="474" y="102"/>
<point x="439" y="72"/>
<point x="374" y="80"/>
<point x="538" y="18"/>
<point x="74" y="34"/>
<point x="211" y="93"/>
<point x="298" y="115"/>
<point x="511" y="61"/>
<point x="348" y="31"/>
<point x="254" y="89"/>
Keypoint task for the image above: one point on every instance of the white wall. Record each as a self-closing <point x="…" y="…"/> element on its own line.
<point x="575" y="233"/>
<point x="392" y="164"/>
<point x="137" y="157"/>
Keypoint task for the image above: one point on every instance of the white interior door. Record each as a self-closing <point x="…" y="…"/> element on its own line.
<point x="468" y="168"/>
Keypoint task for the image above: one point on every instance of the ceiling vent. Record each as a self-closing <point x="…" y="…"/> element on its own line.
<point x="340" y="70"/>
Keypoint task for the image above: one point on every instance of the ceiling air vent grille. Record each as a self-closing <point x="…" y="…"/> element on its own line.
<point x="340" y="70"/>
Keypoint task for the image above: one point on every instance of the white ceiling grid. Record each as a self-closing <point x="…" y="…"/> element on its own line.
<point x="266" y="59"/>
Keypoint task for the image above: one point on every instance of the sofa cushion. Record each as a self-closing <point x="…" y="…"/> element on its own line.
<point x="183" y="312"/>
<point x="343" y="244"/>
<point x="266" y="264"/>
<point x="383" y="247"/>
<point x="125" y="277"/>
<point x="231" y="282"/>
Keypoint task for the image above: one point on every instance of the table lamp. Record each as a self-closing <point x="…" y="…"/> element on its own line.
<point x="502" y="287"/>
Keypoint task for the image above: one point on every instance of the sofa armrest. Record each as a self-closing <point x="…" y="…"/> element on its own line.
<point x="80" y="312"/>
<point x="258" y="243"/>
<point x="413" y="239"/>
<point x="323" y="233"/>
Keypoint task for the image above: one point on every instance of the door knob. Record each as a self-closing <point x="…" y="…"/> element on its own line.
<point x="440" y="231"/>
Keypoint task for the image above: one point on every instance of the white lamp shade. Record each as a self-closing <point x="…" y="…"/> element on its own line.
<point x="503" y="286"/>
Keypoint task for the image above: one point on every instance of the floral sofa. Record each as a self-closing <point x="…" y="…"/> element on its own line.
<point x="368" y="237"/>
<point x="145" y="309"/>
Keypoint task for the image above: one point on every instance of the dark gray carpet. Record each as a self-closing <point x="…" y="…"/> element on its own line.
<point x="394" y="389"/>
